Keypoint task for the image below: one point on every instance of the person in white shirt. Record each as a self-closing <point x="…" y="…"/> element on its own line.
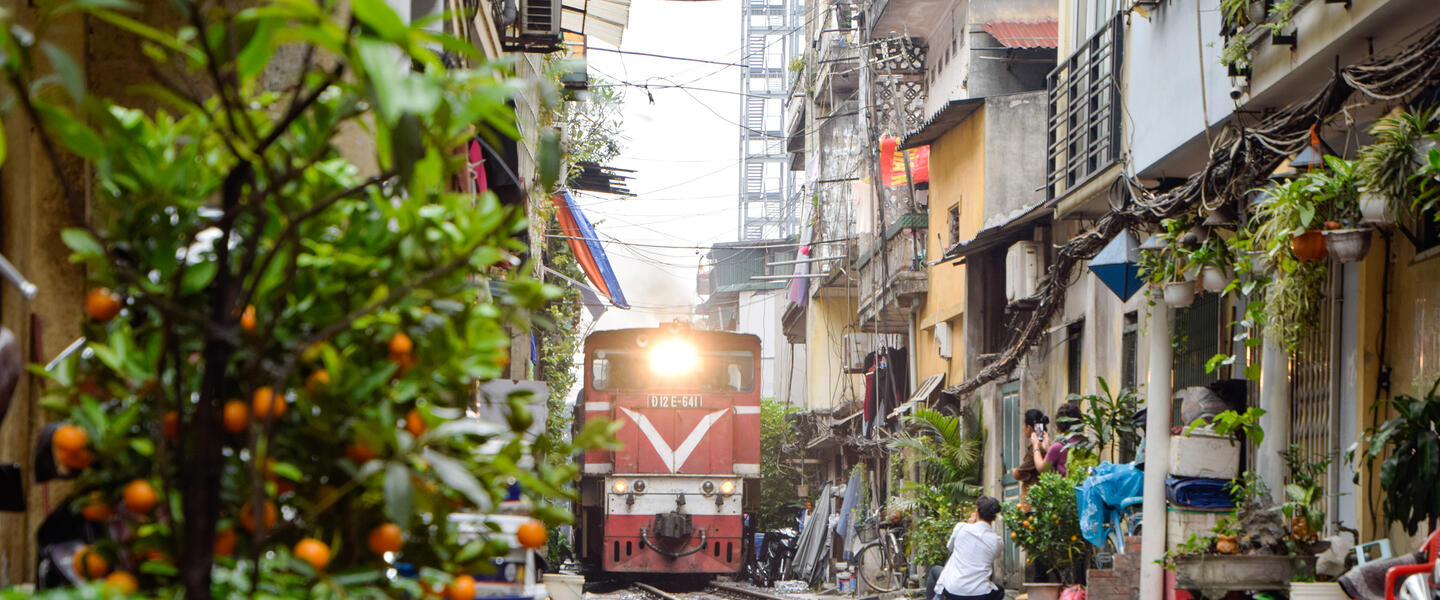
<point x="974" y="546"/>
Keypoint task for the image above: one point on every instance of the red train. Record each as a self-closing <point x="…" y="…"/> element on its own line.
<point x="671" y="499"/>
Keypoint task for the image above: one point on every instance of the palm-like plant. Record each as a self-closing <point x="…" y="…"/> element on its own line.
<point x="948" y="448"/>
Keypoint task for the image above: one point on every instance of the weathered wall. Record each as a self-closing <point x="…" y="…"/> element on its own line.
<point x="1014" y="151"/>
<point x="957" y="178"/>
<point x="827" y="384"/>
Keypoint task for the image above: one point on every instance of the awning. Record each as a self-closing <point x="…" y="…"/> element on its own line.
<point x="953" y="113"/>
<point x="585" y="244"/>
<point x="922" y="393"/>
<point x="1044" y="33"/>
<point x="1010" y="230"/>
<point x="605" y="20"/>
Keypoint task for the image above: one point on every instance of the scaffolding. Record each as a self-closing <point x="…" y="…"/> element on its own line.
<point x="769" y="202"/>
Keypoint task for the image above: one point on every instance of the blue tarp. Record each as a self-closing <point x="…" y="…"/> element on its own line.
<point x="1107" y="488"/>
<point x="1198" y="492"/>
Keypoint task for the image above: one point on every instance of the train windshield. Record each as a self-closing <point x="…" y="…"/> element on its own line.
<point x="708" y="371"/>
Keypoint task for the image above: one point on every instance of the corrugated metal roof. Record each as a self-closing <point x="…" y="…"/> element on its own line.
<point x="1025" y="34"/>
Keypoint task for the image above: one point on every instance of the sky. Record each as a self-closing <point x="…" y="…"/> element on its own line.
<point x="684" y="146"/>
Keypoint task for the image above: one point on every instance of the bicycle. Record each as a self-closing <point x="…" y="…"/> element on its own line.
<point x="882" y="564"/>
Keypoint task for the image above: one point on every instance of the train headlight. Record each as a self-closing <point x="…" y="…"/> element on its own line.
<point x="727" y="487"/>
<point x="639" y="485"/>
<point x="619" y="486"/>
<point x="673" y="356"/>
<point x="708" y="487"/>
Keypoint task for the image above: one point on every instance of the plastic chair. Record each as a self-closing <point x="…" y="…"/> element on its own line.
<point x="1431" y="548"/>
<point x="1362" y="552"/>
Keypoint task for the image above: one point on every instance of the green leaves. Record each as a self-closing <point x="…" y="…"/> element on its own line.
<point x="70" y="75"/>
<point x="455" y="475"/>
<point x="399" y="497"/>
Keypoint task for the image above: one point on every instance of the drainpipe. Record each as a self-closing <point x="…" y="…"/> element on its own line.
<point x="910" y="342"/>
<point x="1157" y="454"/>
<point x="1275" y="400"/>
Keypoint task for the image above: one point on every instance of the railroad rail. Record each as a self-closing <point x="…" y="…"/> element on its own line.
<point x="715" y="591"/>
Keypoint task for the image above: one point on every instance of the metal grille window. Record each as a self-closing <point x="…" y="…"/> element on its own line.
<point x="1083" y="135"/>
<point x="1314" y="401"/>
<point x="1197" y="340"/>
<point x="954" y="224"/>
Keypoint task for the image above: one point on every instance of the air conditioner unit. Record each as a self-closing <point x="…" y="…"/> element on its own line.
<point x="942" y="339"/>
<point x="540" y="18"/>
<point x="1024" y="262"/>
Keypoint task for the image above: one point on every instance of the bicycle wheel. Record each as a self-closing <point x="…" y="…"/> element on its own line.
<point x="872" y="563"/>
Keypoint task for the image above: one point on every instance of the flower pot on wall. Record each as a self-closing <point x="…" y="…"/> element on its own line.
<point x="1180" y="294"/>
<point x="1212" y="575"/>
<point x="1348" y="245"/>
<point x="1214" y="279"/>
<point x="1375" y="210"/>
<point x="1309" y="246"/>
<point x="1042" y="591"/>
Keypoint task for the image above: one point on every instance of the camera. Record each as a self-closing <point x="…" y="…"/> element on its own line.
<point x="1040" y="429"/>
<point x="1239" y="90"/>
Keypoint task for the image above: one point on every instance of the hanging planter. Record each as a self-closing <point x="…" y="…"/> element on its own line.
<point x="1348" y="245"/>
<point x="1179" y="294"/>
<point x="1309" y="246"/>
<point x="1214" y="279"/>
<point x="1375" y="210"/>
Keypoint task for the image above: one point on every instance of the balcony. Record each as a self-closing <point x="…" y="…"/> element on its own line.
<point x="892" y="278"/>
<point x="1083" y="136"/>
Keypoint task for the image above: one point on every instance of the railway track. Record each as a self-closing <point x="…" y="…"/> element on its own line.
<point x="714" y="591"/>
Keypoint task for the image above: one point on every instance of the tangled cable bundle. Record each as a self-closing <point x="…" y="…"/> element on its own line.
<point x="1241" y="159"/>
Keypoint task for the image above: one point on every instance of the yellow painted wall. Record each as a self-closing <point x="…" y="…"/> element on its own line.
<point x="957" y="177"/>
<point x="1411" y="329"/>
<point x="828" y="320"/>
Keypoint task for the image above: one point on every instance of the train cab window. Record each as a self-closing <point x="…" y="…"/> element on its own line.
<point x="709" y="371"/>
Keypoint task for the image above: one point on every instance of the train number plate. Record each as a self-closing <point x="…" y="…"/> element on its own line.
<point x="675" y="401"/>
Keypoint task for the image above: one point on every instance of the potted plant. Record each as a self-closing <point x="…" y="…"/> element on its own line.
<point x="1248" y="550"/>
<point x="1347" y="238"/>
<point x="1304" y="508"/>
<point x="1211" y="262"/>
<point x="1048" y="530"/>
<point x="1165" y="267"/>
<point x="1387" y="168"/>
<point x="1407" y="442"/>
<point x="1286" y="223"/>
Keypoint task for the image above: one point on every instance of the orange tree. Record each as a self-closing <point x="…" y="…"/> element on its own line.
<point x="281" y="344"/>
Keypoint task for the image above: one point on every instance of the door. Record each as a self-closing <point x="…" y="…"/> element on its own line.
<point x="1013" y="564"/>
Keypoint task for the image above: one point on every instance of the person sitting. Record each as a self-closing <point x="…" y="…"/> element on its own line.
<point x="974" y="546"/>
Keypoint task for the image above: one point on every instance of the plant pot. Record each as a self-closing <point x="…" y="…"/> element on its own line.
<point x="1180" y="294"/>
<point x="1309" y="246"/>
<point x="1375" y="210"/>
<point x="1214" y="279"/>
<point x="1328" y="590"/>
<point x="1259" y="12"/>
<point x="1202" y="454"/>
<point x="1348" y="245"/>
<point x="1042" y="591"/>
<point x="1260" y="263"/>
<point x="1213" y="575"/>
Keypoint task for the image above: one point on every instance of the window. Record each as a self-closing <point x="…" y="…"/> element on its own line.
<point x="1074" y="335"/>
<point x="1129" y="337"/>
<point x="953" y="218"/>
<point x="717" y="371"/>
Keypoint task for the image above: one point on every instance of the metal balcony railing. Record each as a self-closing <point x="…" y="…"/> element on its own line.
<point x="1083" y="133"/>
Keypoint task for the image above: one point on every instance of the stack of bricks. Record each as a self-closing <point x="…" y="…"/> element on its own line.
<point x="1121" y="582"/>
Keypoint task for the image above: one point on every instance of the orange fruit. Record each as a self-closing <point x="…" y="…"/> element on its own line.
<point x="317" y="381"/>
<point x="265" y="400"/>
<point x="247" y="318"/>
<point x="1012" y="535"/>
<point x="170" y="425"/>
<point x="225" y="542"/>
<point x="77" y="459"/>
<point x="463" y="588"/>
<point x="69" y="438"/>
<point x="101" y="304"/>
<point x="359" y="452"/>
<point x="89" y="564"/>
<point x="400" y="344"/>
<point x="532" y="534"/>
<point x="97" y="510"/>
<point x="414" y="424"/>
<point x="247" y="515"/>
<point x="139" y="497"/>
<point x="122" y="583"/>
<point x="386" y="538"/>
<point x="313" y="551"/>
<point x="236" y="416"/>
